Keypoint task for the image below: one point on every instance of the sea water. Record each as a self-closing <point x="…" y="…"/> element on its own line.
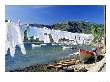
<point x="37" y="55"/>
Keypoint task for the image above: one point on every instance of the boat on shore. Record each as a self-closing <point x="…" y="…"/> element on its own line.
<point x="85" y="54"/>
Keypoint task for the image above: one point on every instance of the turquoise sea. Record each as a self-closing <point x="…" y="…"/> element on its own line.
<point x="37" y="55"/>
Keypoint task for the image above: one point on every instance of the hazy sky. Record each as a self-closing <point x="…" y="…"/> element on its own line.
<point x="53" y="14"/>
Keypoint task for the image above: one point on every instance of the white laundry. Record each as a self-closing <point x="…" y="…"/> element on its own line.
<point x="61" y="34"/>
<point x="45" y="30"/>
<point x="41" y="37"/>
<point x="35" y="37"/>
<point x="46" y="39"/>
<point x="54" y="35"/>
<point x="72" y="36"/>
<point x="77" y="38"/>
<point x="23" y="27"/>
<point x="13" y="38"/>
<point x="32" y="31"/>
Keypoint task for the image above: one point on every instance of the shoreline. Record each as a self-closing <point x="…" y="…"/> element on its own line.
<point x="79" y="67"/>
<point x="43" y="67"/>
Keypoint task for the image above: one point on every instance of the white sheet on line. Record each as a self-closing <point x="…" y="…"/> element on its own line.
<point x="80" y="38"/>
<point x="13" y="38"/>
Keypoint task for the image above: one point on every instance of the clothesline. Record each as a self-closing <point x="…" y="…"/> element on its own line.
<point x="43" y="35"/>
<point x="15" y="36"/>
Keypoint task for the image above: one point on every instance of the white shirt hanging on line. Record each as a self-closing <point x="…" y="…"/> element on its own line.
<point x="13" y="38"/>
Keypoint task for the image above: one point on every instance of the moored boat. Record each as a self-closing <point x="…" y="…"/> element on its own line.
<point x="66" y="47"/>
<point x="33" y="45"/>
<point x="85" y="54"/>
<point x="53" y="45"/>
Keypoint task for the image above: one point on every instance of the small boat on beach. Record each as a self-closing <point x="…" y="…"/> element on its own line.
<point x="85" y="54"/>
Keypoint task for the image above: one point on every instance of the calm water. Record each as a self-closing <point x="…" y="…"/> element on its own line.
<point x="38" y="55"/>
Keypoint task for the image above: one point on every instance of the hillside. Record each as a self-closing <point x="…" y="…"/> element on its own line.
<point x="72" y="26"/>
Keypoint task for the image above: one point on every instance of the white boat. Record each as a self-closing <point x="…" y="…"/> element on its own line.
<point x="54" y="44"/>
<point x="33" y="45"/>
<point x="66" y="47"/>
<point x="43" y="44"/>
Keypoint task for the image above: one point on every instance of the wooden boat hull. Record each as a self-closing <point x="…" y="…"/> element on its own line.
<point x="85" y="55"/>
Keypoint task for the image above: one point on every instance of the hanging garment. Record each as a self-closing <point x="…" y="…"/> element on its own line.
<point x="35" y="37"/>
<point x="41" y="37"/>
<point x="59" y="33"/>
<point x="77" y="38"/>
<point x="32" y="31"/>
<point x="45" y="30"/>
<point x="23" y="27"/>
<point x="46" y="39"/>
<point x="87" y="38"/>
<point x="13" y="38"/>
<point x="54" y="36"/>
<point x="72" y="36"/>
